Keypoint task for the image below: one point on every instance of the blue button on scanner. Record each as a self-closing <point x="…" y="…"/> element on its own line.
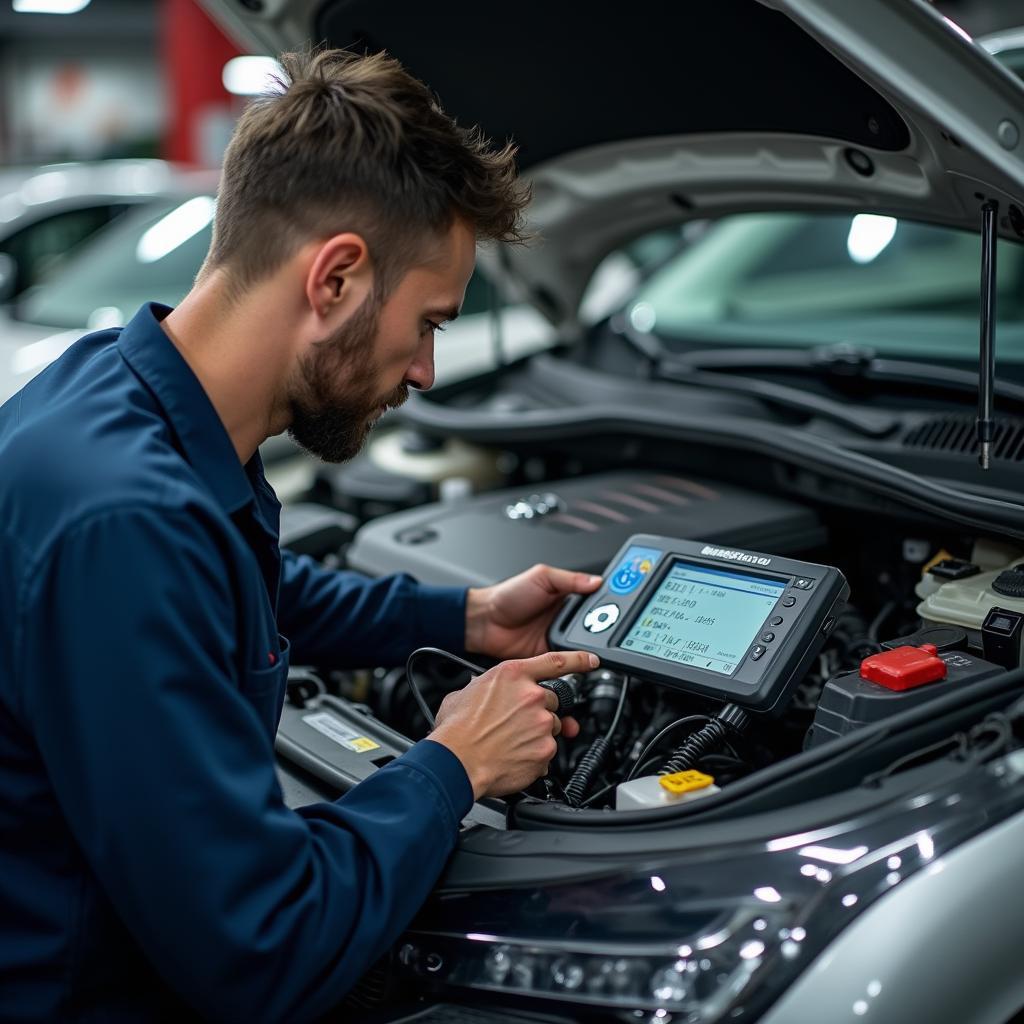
<point x="636" y="564"/>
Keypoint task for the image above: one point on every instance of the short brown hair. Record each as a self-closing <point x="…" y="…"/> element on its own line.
<point x="354" y="143"/>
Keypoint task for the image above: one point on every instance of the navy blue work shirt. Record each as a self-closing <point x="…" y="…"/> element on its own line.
<point x="144" y="846"/>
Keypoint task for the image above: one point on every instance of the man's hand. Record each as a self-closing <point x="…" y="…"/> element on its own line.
<point x="502" y="726"/>
<point x="511" y="619"/>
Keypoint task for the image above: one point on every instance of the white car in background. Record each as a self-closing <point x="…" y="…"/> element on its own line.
<point x="153" y="253"/>
<point x="47" y="215"/>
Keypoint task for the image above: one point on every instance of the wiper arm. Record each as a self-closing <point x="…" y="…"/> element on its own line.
<point x="848" y="362"/>
<point x="867" y="422"/>
<point x="945" y="377"/>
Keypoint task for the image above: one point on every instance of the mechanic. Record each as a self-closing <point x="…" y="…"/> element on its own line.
<point x="148" y="866"/>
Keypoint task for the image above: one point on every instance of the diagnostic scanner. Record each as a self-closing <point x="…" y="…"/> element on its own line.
<point x="732" y="625"/>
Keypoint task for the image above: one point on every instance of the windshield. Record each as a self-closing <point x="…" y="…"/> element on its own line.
<point x="803" y="279"/>
<point x="152" y="254"/>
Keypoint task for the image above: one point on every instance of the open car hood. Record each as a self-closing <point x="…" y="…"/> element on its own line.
<point x="627" y="122"/>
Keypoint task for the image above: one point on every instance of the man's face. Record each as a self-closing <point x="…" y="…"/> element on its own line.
<point x="350" y="378"/>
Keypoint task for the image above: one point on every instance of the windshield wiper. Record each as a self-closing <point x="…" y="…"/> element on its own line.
<point x="840" y="361"/>
<point x="867" y="422"/>
<point x="688" y="369"/>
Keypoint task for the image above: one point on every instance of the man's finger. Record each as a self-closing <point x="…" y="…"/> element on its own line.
<point x="556" y="725"/>
<point x="559" y="663"/>
<point x="550" y="700"/>
<point x="564" y="581"/>
<point x="570" y="727"/>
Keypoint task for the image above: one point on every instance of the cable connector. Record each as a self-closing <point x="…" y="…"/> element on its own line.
<point x="564" y="688"/>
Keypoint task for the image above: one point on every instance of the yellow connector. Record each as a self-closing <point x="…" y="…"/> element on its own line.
<point x="685" y="782"/>
<point x="940" y="556"/>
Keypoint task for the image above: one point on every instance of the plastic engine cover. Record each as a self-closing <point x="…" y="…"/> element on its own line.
<point x="575" y="524"/>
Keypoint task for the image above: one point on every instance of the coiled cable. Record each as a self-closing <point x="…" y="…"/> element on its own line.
<point x="705" y="740"/>
<point x="590" y="763"/>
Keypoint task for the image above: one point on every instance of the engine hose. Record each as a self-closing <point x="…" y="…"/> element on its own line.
<point x="590" y="763"/>
<point x="705" y="740"/>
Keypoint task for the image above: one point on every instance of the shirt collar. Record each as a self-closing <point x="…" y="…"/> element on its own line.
<point x="189" y="413"/>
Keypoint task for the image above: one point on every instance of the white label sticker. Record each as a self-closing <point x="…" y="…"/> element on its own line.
<point x="339" y="732"/>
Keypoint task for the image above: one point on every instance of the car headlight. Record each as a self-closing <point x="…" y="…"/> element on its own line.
<point x="707" y="932"/>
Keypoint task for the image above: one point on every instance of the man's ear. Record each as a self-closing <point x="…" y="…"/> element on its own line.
<point x="340" y="276"/>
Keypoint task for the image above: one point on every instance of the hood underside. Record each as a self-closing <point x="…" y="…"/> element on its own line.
<point x="634" y="117"/>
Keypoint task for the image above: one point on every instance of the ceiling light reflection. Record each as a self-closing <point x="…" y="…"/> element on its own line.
<point x="925" y="845"/>
<point x="831" y="855"/>
<point x="869" y="235"/>
<point x="50" y="6"/>
<point x="174" y="230"/>
<point x="251" y="76"/>
<point x="962" y="32"/>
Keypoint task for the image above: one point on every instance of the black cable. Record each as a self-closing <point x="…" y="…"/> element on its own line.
<point x="645" y="753"/>
<point x="879" y="620"/>
<point x="590" y="763"/>
<point x="952" y="746"/>
<point x="650" y="762"/>
<point x="618" y="710"/>
<point x="658" y="720"/>
<point x="707" y="739"/>
<point x="563" y="690"/>
<point x="600" y="793"/>
<point x="722" y="767"/>
<point x="410" y="676"/>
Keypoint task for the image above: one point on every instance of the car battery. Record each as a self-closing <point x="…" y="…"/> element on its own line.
<point x="897" y="678"/>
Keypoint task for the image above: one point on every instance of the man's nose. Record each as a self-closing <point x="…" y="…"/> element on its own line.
<point x="420" y="374"/>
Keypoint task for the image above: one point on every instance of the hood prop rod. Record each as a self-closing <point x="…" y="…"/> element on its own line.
<point x="985" y="425"/>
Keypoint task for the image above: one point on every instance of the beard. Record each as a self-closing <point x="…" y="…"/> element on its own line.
<point x="335" y="400"/>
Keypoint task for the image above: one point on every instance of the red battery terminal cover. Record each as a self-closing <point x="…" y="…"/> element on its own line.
<point x="904" y="668"/>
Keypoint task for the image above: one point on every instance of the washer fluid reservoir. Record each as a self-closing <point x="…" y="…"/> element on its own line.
<point x="962" y="594"/>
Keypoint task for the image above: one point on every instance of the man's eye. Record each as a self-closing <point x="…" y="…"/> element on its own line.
<point x="431" y="326"/>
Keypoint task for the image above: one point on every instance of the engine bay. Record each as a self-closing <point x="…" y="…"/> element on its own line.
<point x="928" y="611"/>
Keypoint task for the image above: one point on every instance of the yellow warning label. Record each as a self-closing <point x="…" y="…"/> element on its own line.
<point x="363" y="743"/>
<point x="685" y="782"/>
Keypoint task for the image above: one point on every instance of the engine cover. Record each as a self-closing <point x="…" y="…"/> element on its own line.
<point x="575" y="524"/>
